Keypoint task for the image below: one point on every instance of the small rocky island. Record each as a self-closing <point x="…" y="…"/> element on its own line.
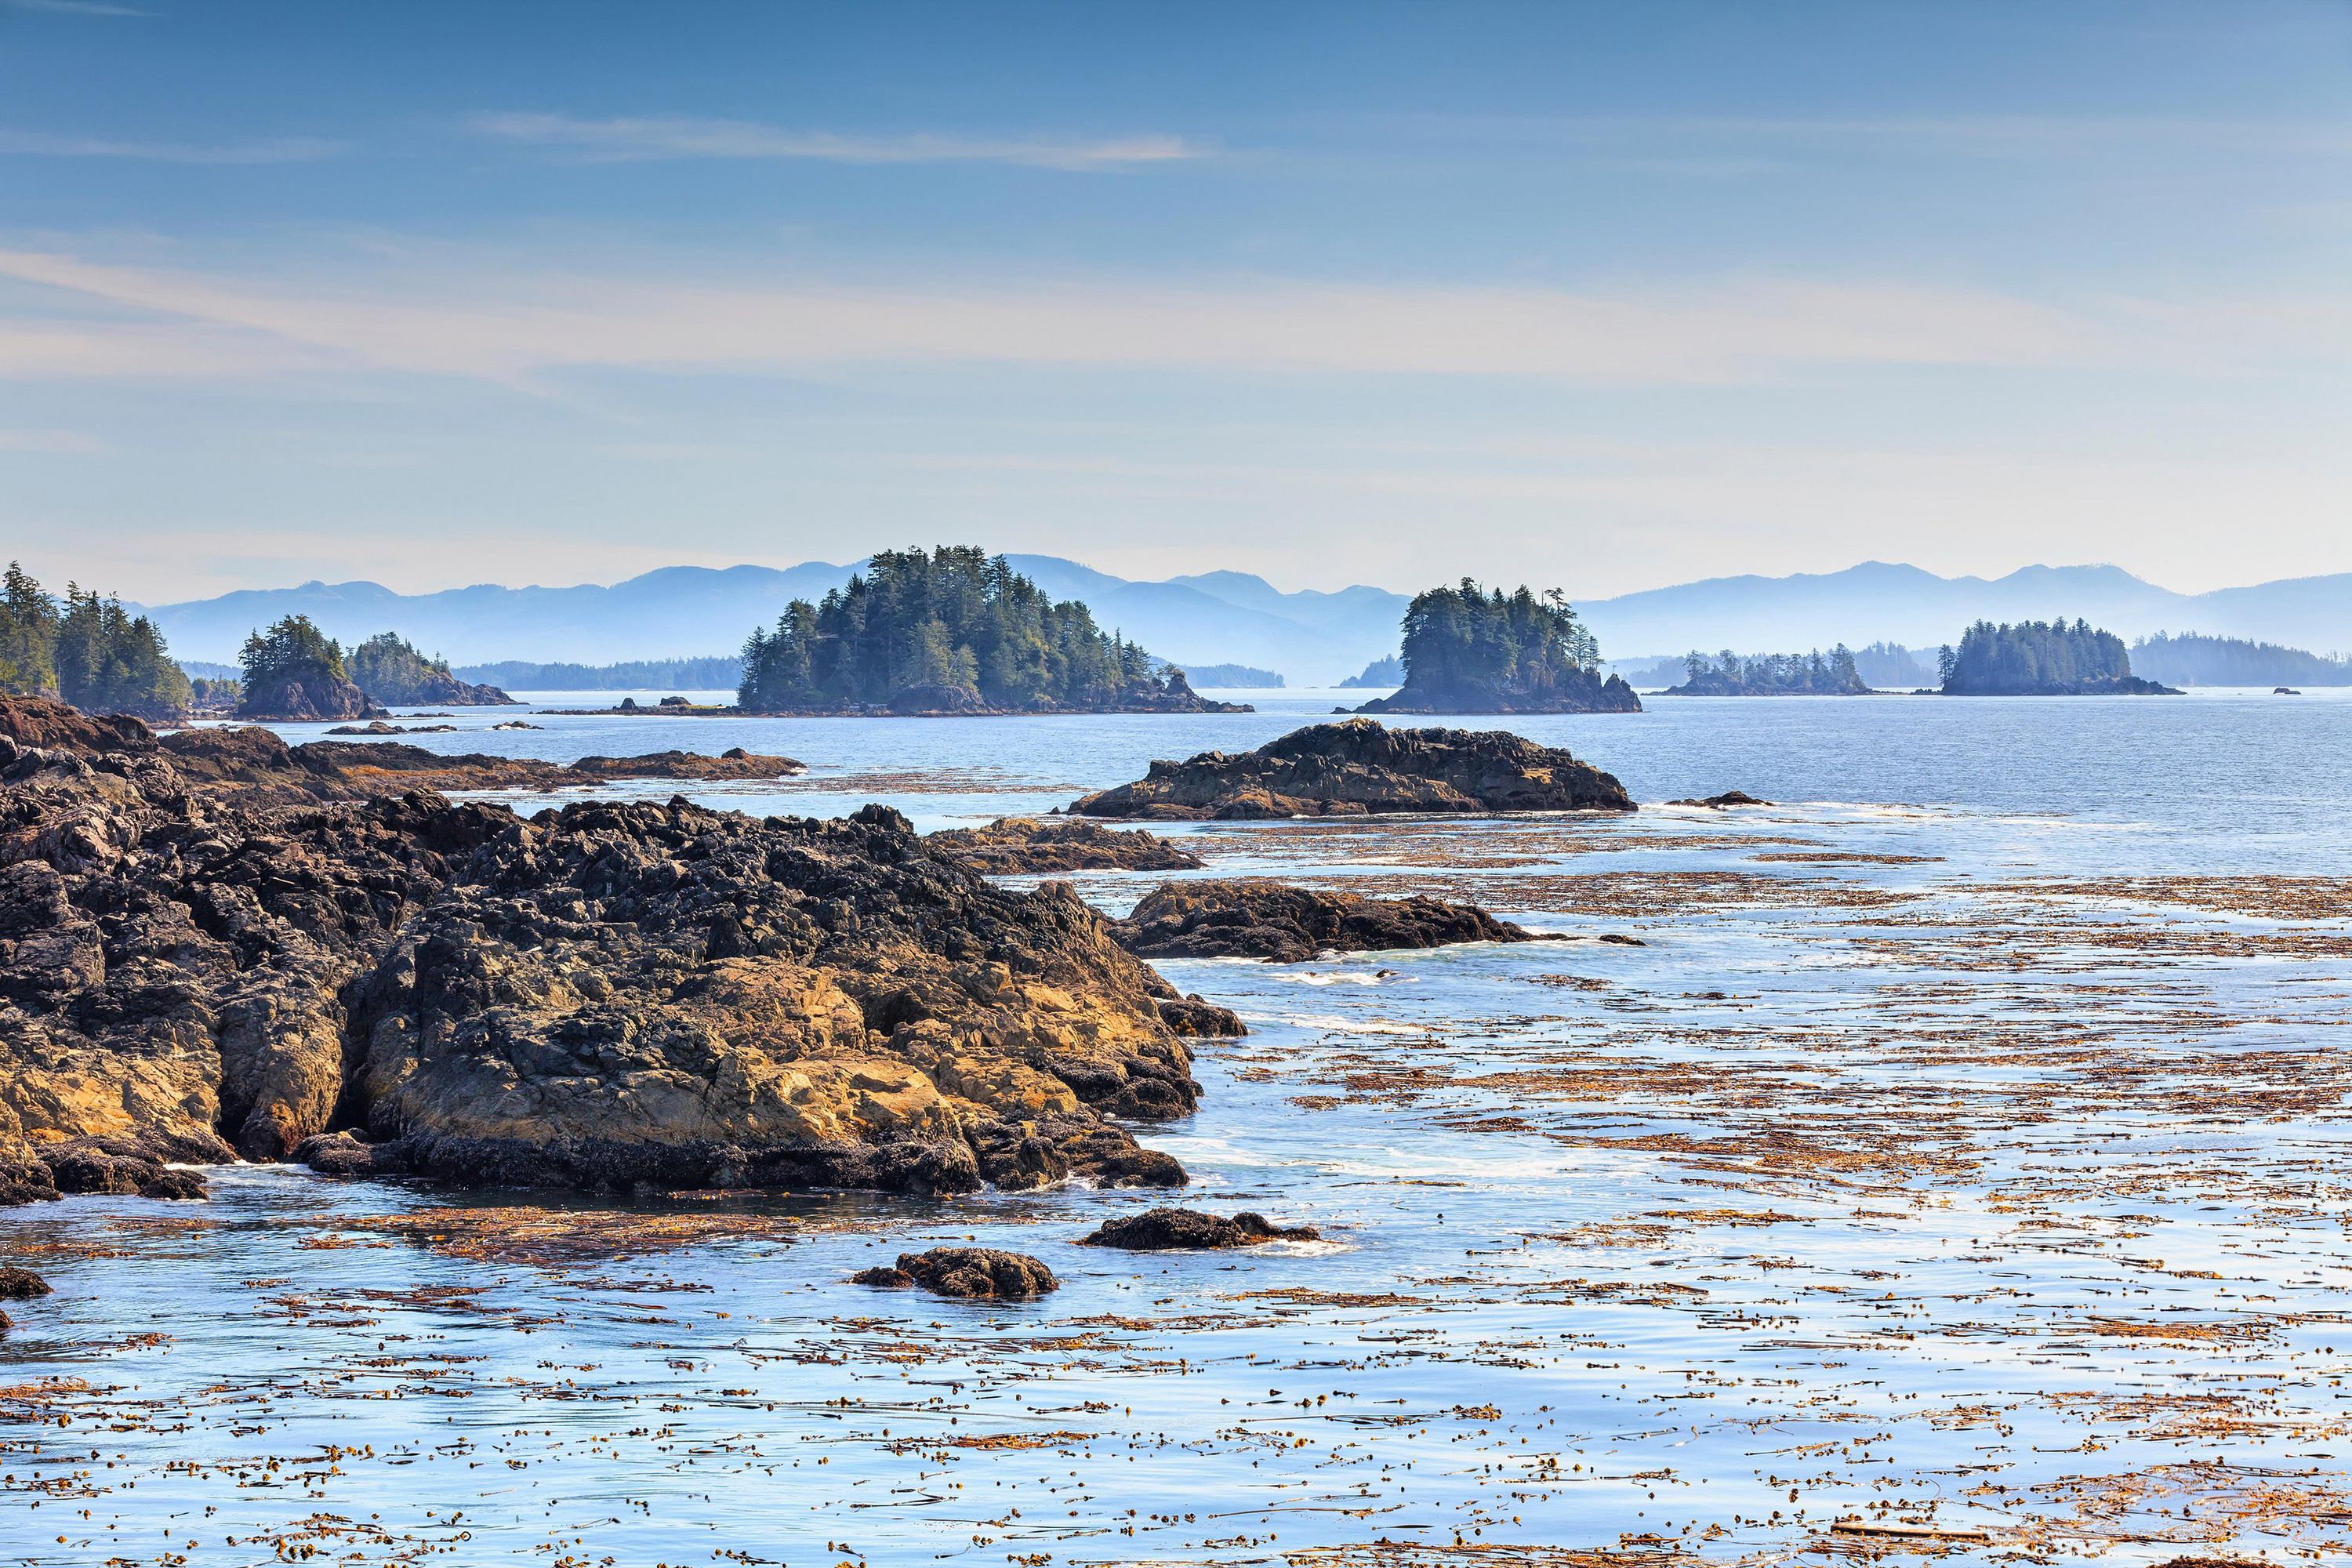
<point x="1022" y="845"/>
<point x="1773" y="675"/>
<point x="389" y="670"/>
<point x="295" y="673"/>
<point x="1359" y="766"/>
<point x="211" y="947"/>
<point x="953" y="631"/>
<point x="2042" y="659"/>
<point x="1468" y="652"/>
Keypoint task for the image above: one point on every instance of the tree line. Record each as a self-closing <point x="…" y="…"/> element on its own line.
<point x="1461" y="637"/>
<point x="2033" y="657"/>
<point x="1772" y="674"/>
<point x="87" y="650"/>
<point x="952" y="627"/>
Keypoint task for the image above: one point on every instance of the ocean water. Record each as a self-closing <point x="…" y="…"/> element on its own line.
<point x="1955" y="1163"/>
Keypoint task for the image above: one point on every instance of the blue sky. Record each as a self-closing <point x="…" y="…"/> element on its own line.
<point x="1601" y="296"/>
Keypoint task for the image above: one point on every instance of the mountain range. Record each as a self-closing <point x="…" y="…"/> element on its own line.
<point x="1312" y="637"/>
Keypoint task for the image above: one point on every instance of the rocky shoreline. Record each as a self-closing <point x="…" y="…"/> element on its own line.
<point x="211" y="943"/>
<point x="1022" y="845"/>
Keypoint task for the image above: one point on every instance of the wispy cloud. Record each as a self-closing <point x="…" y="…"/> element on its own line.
<point x="277" y="150"/>
<point x="75" y="7"/>
<point x="670" y="136"/>
<point x="496" y="323"/>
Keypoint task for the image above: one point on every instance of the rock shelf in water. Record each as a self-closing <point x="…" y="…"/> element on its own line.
<point x="600" y="997"/>
<point x="1359" y="766"/>
<point x="1169" y="1229"/>
<point x="1019" y="846"/>
<point x="973" y="1273"/>
<point x="1284" y="924"/>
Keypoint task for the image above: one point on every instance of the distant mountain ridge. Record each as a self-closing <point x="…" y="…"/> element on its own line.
<point x="1312" y="637"/>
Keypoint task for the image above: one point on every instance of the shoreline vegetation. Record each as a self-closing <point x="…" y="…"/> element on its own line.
<point x="2042" y="659"/>
<point x="953" y="631"/>
<point x="1468" y="651"/>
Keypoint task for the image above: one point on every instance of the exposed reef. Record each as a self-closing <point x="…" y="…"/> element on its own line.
<point x="202" y="948"/>
<point x="1284" y="924"/>
<point x="1359" y="766"/>
<point x="1169" y="1229"/>
<point x="1022" y="845"/>
<point x="972" y="1273"/>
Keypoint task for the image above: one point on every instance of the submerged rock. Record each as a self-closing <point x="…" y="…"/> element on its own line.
<point x="972" y="1273"/>
<point x="599" y="998"/>
<point x="1361" y="766"/>
<point x="1015" y="845"/>
<point x="1285" y="924"/>
<point x="1169" y="1229"/>
<point x="21" y="1285"/>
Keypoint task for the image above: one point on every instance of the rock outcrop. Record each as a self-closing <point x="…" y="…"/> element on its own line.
<point x="22" y="1284"/>
<point x="1022" y="846"/>
<point x="1725" y="801"/>
<point x="599" y="998"/>
<point x="1285" y="924"/>
<point x="1191" y="1230"/>
<point x="1581" y="691"/>
<point x="305" y="695"/>
<point x="1359" y="766"/>
<point x="972" y="1273"/>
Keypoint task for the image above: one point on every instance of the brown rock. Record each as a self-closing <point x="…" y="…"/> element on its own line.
<point x="21" y="1285"/>
<point x="1359" y="766"/>
<point x="1284" y="924"/>
<point x="1168" y="1229"/>
<point x="1017" y="845"/>
<point x="1195" y="1019"/>
<point x="979" y="1273"/>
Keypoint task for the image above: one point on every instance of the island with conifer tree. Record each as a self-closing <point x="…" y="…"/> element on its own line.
<point x="1472" y="651"/>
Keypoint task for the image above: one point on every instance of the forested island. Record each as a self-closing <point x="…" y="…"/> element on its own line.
<point x="294" y="672"/>
<point x="2192" y="659"/>
<point x="1248" y="675"/>
<point x="1388" y="671"/>
<point x="1471" y="651"/>
<point x="2042" y="659"/>
<point x="1891" y="667"/>
<point x="953" y="630"/>
<point x="86" y="650"/>
<point x="1773" y="675"/>
<point x="389" y="670"/>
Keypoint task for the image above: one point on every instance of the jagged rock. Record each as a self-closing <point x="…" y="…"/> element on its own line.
<point x="975" y="1273"/>
<point x="599" y="998"/>
<point x="1169" y="1229"/>
<point x="21" y="1285"/>
<point x="336" y="1155"/>
<point x="884" y="1278"/>
<point x="306" y="695"/>
<point x="1727" y="798"/>
<point x="1359" y="766"/>
<point x="1017" y="845"/>
<point x="1284" y="924"/>
<point x="1195" y="1019"/>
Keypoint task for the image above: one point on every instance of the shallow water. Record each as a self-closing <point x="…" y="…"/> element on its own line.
<point x="1963" y="1152"/>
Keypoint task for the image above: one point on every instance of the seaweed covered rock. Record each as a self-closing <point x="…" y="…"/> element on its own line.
<point x="21" y="1285"/>
<point x="1285" y="924"/>
<point x="1359" y="766"/>
<point x="1019" y="846"/>
<point x="1196" y="1017"/>
<point x="1169" y="1229"/>
<point x="601" y="997"/>
<point x="972" y="1273"/>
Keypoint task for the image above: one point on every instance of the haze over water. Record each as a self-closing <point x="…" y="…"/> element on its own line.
<point x="1961" y="1152"/>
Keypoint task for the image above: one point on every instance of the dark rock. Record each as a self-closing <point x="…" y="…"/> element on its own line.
<point x="1621" y="940"/>
<point x="884" y="1278"/>
<point x="1581" y="691"/>
<point x="977" y="1273"/>
<point x="21" y="1285"/>
<point x="175" y="1181"/>
<point x="8" y="1325"/>
<point x="306" y="695"/>
<point x="1727" y="798"/>
<point x="1186" y="1230"/>
<point x="1285" y="924"/>
<point x="1194" y="1019"/>
<point x="1015" y="845"/>
<point x="1359" y="766"/>
<point x="336" y="1155"/>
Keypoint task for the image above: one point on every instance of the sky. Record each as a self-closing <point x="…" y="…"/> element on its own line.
<point x="1601" y="296"/>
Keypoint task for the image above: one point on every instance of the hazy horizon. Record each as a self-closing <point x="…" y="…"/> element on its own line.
<point x="1604" y="297"/>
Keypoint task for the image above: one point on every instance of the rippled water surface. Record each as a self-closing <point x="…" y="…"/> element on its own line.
<point x="1956" y="1167"/>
